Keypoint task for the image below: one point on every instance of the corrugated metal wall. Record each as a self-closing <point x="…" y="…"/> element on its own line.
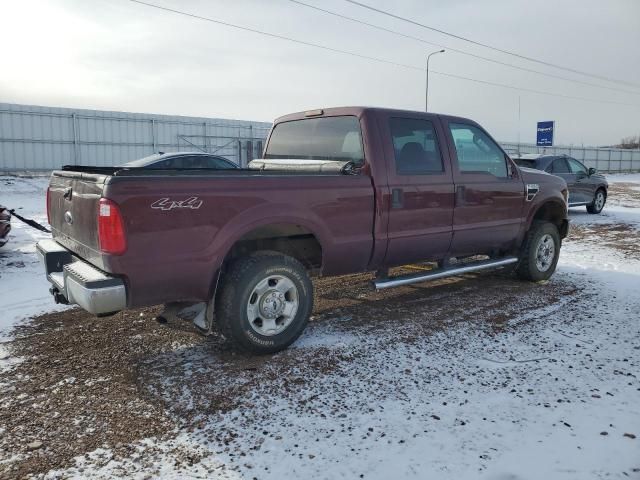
<point x="44" y="138"/>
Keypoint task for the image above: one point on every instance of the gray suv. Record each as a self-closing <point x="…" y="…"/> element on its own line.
<point x="586" y="186"/>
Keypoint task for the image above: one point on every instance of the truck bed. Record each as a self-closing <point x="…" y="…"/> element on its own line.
<point x="180" y="224"/>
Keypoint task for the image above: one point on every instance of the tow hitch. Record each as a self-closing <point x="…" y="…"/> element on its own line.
<point x="58" y="297"/>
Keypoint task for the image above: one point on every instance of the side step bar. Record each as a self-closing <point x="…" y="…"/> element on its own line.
<point x="383" y="283"/>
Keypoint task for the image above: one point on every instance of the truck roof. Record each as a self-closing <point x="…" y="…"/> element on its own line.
<point x="359" y="111"/>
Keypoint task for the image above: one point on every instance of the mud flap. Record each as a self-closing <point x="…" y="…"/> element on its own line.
<point x="201" y="314"/>
<point x="204" y="317"/>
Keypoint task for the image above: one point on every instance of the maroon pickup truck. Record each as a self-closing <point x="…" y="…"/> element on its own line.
<point x="338" y="191"/>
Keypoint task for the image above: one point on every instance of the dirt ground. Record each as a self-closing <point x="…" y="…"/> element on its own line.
<point x="90" y="382"/>
<point x="87" y="383"/>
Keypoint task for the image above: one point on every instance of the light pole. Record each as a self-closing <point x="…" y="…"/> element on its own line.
<point x="426" y="103"/>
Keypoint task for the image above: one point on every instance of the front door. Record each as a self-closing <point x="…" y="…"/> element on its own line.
<point x="421" y="188"/>
<point x="580" y="183"/>
<point x="489" y="193"/>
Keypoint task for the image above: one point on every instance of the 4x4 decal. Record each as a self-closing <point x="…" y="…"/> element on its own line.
<point x="167" y="204"/>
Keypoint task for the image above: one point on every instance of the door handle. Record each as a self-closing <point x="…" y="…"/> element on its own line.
<point x="397" y="197"/>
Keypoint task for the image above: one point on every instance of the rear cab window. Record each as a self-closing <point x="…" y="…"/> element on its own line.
<point x="326" y="138"/>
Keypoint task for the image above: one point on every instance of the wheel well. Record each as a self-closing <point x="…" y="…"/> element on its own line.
<point x="293" y="240"/>
<point x="555" y="213"/>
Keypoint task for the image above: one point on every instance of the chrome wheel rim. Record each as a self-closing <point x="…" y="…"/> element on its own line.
<point x="272" y="305"/>
<point x="545" y="252"/>
<point x="599" y="201"/>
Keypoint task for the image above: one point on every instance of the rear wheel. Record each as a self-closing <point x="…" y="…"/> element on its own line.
<point x="540" y="252"/>
<point x="264" y="302"/>
<point x="599" y="200"/>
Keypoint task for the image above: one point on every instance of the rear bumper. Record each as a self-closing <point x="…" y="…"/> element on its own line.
<point x="75" y="281"/>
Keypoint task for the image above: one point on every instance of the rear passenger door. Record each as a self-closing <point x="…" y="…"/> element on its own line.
<point x="489" y="192"/>
<point x="560" y="168"/>
<point x="421" y="187"/>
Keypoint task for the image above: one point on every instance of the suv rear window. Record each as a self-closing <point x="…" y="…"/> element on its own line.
<point x="525" y="163"/>
<point x="328" y="138"/>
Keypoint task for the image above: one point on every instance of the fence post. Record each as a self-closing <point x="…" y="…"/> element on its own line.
<point x="620" y="161"/>
<point x="76" y="153"/>
<point x="205" y="141"/>
<point x="154" y="141"/>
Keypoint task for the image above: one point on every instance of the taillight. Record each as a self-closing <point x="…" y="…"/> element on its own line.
<point x="111" y="235"/>
<point x="48" y="205"/>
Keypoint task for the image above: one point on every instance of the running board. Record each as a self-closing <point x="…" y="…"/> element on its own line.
<point x="383" y="283"/>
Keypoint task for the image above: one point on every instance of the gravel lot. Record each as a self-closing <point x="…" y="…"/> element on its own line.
<point x="479" y="376"/>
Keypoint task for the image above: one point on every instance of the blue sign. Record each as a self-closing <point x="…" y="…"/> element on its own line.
<point x="544" y="137"/>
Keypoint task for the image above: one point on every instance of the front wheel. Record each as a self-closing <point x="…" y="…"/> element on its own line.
<point x="264" y="302"/>
<point x="598" y="202"/>
<point x="540" y="252"/>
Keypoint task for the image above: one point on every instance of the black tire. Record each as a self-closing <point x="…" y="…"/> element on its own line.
<point x="529" y="268"/>
<point x="597" y="206"/>
<point x="237" y="294"/>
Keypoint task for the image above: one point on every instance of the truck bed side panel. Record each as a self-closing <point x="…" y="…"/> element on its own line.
<point x="174" y="252"/>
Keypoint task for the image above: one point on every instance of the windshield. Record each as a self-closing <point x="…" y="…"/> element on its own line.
<point x="328" y="138"/>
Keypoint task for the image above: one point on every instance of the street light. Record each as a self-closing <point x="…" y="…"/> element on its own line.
<point x="426" y="103"/>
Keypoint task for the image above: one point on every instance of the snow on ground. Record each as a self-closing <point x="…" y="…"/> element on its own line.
<point x="551" y="394"/>
<point x="623" y="178"/>
<point x="622" y="205"/>
<point x="546" y="399"/>
<point x="25" y="291"/>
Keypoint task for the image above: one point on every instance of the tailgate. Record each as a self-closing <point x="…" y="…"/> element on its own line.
<point x="73" y="212"/>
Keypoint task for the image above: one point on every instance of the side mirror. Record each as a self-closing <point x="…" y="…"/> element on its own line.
<point x="592" y="171"/>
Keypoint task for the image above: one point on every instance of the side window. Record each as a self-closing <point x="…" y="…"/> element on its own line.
<point x="195" y="161"/>
<point x="219" y="163"/>
<point x="476" y="152"/>
<point x="169" y="163"/>
<point x="576" y="166"/>
<point x="415" y="146"/>
<point x="559" y="165"/>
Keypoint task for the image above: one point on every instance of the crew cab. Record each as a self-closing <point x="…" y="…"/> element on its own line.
<point x="337" y="191"/>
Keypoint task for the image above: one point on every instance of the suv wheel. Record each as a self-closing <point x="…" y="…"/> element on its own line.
<point x="264" y="302"/>
<point x="598" y="202"/>
<point x="540" y="252"/>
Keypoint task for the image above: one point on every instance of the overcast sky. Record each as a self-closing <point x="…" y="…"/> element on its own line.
<point x="118" y="55"/>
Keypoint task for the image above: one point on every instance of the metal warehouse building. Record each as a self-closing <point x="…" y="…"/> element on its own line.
<point x="45" y="138"/>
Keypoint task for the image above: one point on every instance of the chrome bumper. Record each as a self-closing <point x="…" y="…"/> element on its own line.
<point x="75" y="281"/>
